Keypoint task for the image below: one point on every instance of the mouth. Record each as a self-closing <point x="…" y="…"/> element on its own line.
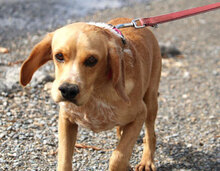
<point x="74" y="101"/>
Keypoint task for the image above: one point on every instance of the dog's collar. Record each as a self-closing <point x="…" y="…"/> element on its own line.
<point x="120" y="33"/>
<point x="110" y="27"/>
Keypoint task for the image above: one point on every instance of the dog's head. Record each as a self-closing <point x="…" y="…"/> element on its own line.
<point x="84" y="56"/>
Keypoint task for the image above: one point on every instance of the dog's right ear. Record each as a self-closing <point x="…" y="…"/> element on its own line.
<point x="118" y="72"/>
<point x="40" y="54"/>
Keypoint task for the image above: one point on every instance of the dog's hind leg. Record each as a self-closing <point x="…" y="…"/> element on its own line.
<point x="147" y="162"/>
<point x="151" y="101"/>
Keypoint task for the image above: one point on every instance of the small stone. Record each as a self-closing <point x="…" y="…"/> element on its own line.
<point x="48" y="86"/>
<point x="48" y="78"/>
<point x="201" y="144"/>
<point x="184" y="96"/>
<point x="3" y="134"/>
<point x="18" y="164"/>
<point x="2" y="160"/>
<point x="9" y="114"/>
<point x="186" y="74"/>
<point x="5" y="103"/>
<point x="4" y="50"/>
<point x="189" y="145"/>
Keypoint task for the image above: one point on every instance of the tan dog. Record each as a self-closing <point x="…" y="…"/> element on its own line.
<point x="101" y="82"/>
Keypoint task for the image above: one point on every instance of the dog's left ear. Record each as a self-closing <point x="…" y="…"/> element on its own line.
<point x="118" y="72"/>
<point x="40" y="54"/>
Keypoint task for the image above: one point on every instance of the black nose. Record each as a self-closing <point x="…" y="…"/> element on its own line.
<point x="69" y="91"/>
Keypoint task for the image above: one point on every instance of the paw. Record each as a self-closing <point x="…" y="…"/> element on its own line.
<point x="145" y="166"/>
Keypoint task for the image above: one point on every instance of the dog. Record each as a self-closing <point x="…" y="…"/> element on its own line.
<point x="104" y="78"/>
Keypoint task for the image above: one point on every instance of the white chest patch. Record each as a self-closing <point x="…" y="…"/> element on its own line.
<point x="97" y="115"/>
<point x="129" y="85"/>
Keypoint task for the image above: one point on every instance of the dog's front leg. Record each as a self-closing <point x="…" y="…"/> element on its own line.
<point x="67" y="138"/>
<point x="120" y="158"/>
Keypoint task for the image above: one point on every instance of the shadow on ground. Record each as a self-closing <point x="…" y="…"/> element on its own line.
<point x="188" y="158"/>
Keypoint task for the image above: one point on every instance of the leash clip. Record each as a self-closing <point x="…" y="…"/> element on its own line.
<point x="124" y="25"/>
<point x="134" y="22"/>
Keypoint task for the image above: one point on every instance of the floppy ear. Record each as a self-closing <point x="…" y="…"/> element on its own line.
<point x="40" y="54"/>
<point x="118" y="73"/>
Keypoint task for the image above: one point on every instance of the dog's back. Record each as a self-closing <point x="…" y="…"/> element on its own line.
<point x="142" y="57"/>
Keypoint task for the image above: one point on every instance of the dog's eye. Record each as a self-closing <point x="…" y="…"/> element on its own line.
<point x="59" y="57"/>
<point x="90" y="61"/>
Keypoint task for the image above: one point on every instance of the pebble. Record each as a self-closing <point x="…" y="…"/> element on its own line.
<point x="48" y="86"/>
<point x="1" y="160"/>
<point x="2" y="135"/>
<point x="3" y="87"/>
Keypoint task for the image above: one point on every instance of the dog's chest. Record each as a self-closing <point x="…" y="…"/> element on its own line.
<point x="97" y="116"/>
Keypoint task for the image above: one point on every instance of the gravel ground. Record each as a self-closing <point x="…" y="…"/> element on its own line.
<point x="187" y="125"/>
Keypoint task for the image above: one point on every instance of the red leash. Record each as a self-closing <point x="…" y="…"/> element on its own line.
<point x="153" y="21"/>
